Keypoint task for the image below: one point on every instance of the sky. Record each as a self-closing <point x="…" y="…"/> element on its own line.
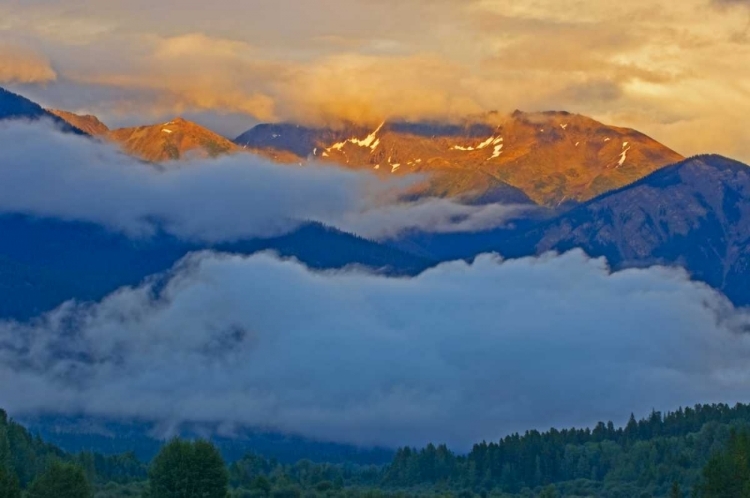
<point x="674" y="70"/>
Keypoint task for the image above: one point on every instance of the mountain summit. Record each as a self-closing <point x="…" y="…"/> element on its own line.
<point x="176" y="139"/>
<point x="550" y="157"/>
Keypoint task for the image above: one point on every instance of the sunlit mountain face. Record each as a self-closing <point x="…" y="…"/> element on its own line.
<point x="352" y="248"/>
<point x="546" y="158"/>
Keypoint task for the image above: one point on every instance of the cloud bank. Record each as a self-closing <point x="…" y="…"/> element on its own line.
<point x="51" y="174"/>
<point x="458" y="354"/>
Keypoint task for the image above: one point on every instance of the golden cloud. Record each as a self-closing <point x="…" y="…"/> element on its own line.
<point x="676" y="72"/>
<point x="360" y="88"/>
<point x="196" y="71"/>
<point x="21" y="65"/>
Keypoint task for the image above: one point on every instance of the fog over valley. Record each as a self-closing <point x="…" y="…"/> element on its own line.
<point x="461" y="353"/>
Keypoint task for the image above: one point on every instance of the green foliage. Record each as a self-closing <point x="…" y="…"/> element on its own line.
<point x="61" y="480"/>
<point x="727" y="474"/>
<point x="287" y="492"/>
<point x="549" y="492"/>
<point x="184" y="469"/>
<point x="118" y="490"/>
<point x="650" y="454"/>
<point x="675" y="492"/>
<point x="662" y="456"/>
<point x="646" y="458"/>
<point x="262" y="485"/>
<point x="26" y="457"/>
<point x="9" y="487"/>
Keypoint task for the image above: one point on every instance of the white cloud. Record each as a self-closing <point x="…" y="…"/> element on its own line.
<point x="48" y="173"/>
<point x="391" y="220"/>
<point x="460" y="353"/>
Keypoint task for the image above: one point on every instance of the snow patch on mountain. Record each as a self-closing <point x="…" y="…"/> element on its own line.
<point x="498" y="150"/>
<point x="623" y="156"/>
<point x="491" y="140"/>
<point x="371" y="141"/>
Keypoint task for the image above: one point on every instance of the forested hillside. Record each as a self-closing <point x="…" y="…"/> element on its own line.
<point x="703" y="450"/>
<point x="44" y="262"/>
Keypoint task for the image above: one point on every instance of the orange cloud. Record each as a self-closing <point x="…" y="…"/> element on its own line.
<point x="361" y="88"/>
<point x="676" y="72"/>
<point x="21" y="65"/>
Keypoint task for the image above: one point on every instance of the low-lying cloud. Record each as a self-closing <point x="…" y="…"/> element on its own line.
<point x="461" y="353"/>
<point x="390" y="220"/>
<point x="51" y="174"/>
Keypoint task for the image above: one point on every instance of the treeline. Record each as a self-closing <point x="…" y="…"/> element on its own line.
<point x="655" y="456"/>
<point x="24" y="457"/>
<point x="702" y="451"/>
<point x="651" y="453"/>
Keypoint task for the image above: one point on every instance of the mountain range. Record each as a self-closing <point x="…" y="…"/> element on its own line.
<point x="45" y="262"/>
<point x="170" y="141"/>
<point x="548" y="158"/>
<point x="610" y="191"/>
<point x="694" y="214"/>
